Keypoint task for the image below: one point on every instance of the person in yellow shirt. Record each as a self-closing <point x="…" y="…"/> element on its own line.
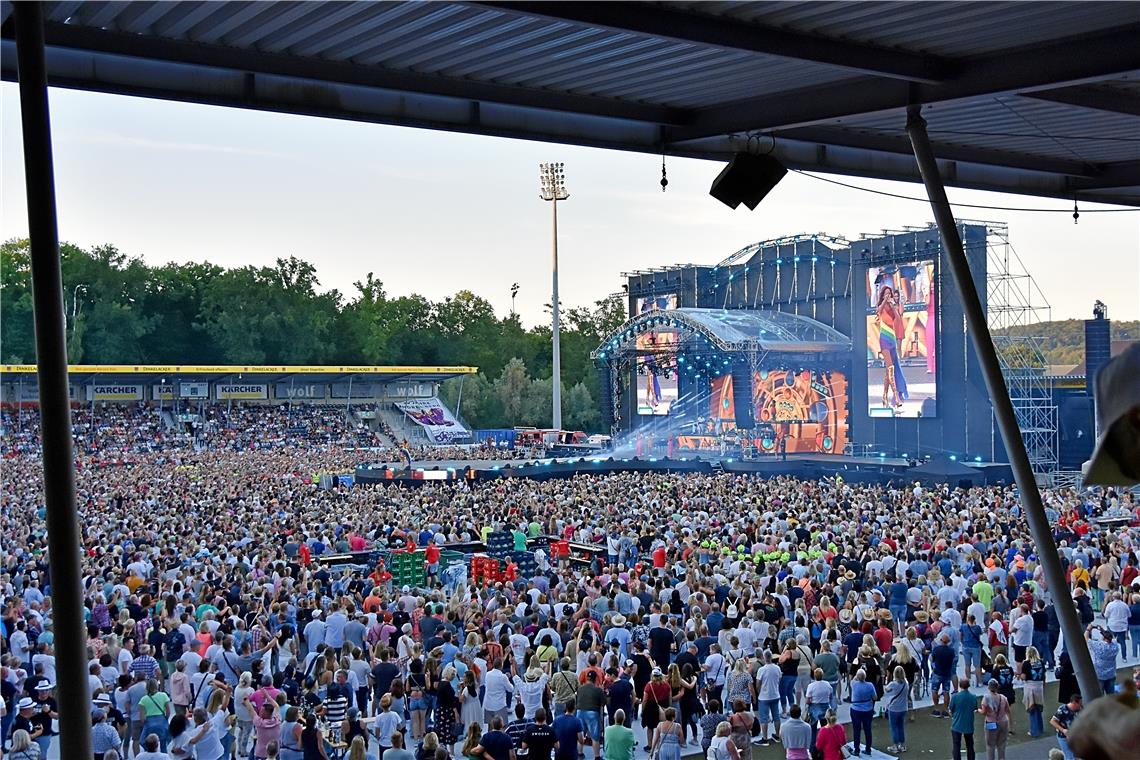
<point x="1079" y="575"/>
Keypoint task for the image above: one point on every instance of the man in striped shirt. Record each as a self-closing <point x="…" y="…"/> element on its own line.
<point x="144" y="663"/>
<point x="337" y="699"/>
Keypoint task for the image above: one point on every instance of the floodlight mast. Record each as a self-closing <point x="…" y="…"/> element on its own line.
<point x="552" y="188"/>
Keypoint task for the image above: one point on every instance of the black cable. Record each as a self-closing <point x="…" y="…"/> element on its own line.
<point x="963" y="205"/>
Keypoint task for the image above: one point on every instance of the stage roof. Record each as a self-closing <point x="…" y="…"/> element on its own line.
<point x="82" y="373"/>
<point x="729" y="330"/>
<point x="1039" y="98"/>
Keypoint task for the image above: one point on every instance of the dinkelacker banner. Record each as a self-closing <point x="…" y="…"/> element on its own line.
<point x="436" y="419"/>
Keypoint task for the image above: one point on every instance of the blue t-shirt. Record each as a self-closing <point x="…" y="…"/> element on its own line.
<point x="963" y="705"/>
<point x="863" y="696"/>
<point x="566" y="730"/>
<point x="898" y="594"/>
<point x="971" y="636"/>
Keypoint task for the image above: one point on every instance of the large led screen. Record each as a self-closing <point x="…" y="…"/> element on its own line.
<point x="902" y="336"/>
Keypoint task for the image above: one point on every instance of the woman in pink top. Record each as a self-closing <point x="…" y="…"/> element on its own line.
<point x="180" y="692"/>
<point x="267" y="728"/>
<point x="995" y="708"/>
<point x="831" y="738"/>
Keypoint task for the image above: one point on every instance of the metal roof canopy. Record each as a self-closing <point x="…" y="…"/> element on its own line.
<point x="90" y="373"/>
<point x="1035" y="98"/>
<point x="728" y="331"/>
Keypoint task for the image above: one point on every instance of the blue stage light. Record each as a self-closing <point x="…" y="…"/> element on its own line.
<point x="796" y="259"/>
<point x="977" y="459"/>
<point x="729" y="461"/>
<point x="814" y="259"/>
<point x="953" y="458"/>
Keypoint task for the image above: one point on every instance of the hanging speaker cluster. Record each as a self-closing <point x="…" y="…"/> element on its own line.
<point x="742" y="395"/>
<point x="747" y="179"/>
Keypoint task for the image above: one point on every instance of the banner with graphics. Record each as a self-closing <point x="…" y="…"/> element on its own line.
<point x="242" y="392"/>
<point x="435" y="418"/>
<point x="114" y="392"/>
<point x="163" y="392"/>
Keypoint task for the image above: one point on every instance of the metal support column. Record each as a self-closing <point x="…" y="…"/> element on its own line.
<point x="979" y="333"/>
<point x="556" y="362"/>
<point x="64" y="552"/>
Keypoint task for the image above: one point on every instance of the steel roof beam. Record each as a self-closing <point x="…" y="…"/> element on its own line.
<point x="853" y="138"/>
<point x="1115" y="175"/>
<point x="704" y="29"/>
<point x="1095" y="98"/>
<point x="218" y="56"/>
<point x="1081" y="60"/>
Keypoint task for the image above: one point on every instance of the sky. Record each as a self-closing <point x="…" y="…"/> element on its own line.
<point x="435" y="212"/>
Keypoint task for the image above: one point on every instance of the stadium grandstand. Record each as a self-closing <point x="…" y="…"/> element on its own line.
<point x="361" y="406"/>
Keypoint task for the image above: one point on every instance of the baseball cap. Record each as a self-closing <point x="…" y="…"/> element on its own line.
<point x="1117" y="394"/>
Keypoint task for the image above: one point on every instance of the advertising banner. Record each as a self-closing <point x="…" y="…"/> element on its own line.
<point x="408" y="390"/>
<point x="299" y="390"/>
<point x="359" y="390"/>
<point x="193" y="390"/>
<point x="114" y="392"/>
<point x="160" y="391"/>
<point x="242" y="392"/>
<point x="436" y="419"/>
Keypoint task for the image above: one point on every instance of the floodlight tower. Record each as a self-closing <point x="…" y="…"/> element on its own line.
<point x="552" y="187"/>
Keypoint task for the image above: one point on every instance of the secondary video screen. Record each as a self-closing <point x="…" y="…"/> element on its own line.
<point x="902" y="338"/>
<point x="656" y="303"/>
<point x="656" y="372"/>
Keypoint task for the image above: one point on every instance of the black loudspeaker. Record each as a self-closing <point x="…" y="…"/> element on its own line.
<point x="742" y="396"/>
<point x="1098" y="348"/>
<point x="747" y="179"/>
<point x="606" y="397"/>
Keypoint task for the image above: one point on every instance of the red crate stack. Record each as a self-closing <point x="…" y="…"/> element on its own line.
<point x="484" y="569"/>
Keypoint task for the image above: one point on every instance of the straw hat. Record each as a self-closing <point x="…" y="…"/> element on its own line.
<point x="921" y="616"/>
<point x="845" y="616"/>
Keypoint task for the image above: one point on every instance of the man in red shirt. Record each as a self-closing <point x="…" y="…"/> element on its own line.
<point x="431" y="558"/>
<point x="659" y="559"/>
<point x="884" y="636"/>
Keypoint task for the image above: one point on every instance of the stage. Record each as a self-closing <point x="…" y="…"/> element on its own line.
<point x="866" y="469"/>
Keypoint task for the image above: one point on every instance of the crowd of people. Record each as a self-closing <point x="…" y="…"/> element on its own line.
<point x="722" y="611"/>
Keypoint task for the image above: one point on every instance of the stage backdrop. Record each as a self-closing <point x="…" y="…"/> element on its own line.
<point x="804" y="410"/>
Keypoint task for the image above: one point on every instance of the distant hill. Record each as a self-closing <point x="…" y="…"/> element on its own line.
<point x="1063" y="341"/>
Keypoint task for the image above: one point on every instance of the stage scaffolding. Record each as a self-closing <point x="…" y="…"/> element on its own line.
<point x="1014" y="306"/>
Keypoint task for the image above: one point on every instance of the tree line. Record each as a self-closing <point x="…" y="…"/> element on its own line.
<point x="122" y="311"/>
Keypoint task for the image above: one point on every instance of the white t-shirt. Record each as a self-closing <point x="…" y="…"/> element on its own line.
<point x="768" y="682"/>
<point x="1115" y="616"/>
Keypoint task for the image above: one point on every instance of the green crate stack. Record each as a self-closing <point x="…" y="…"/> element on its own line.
<point x="408" y="569"/>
